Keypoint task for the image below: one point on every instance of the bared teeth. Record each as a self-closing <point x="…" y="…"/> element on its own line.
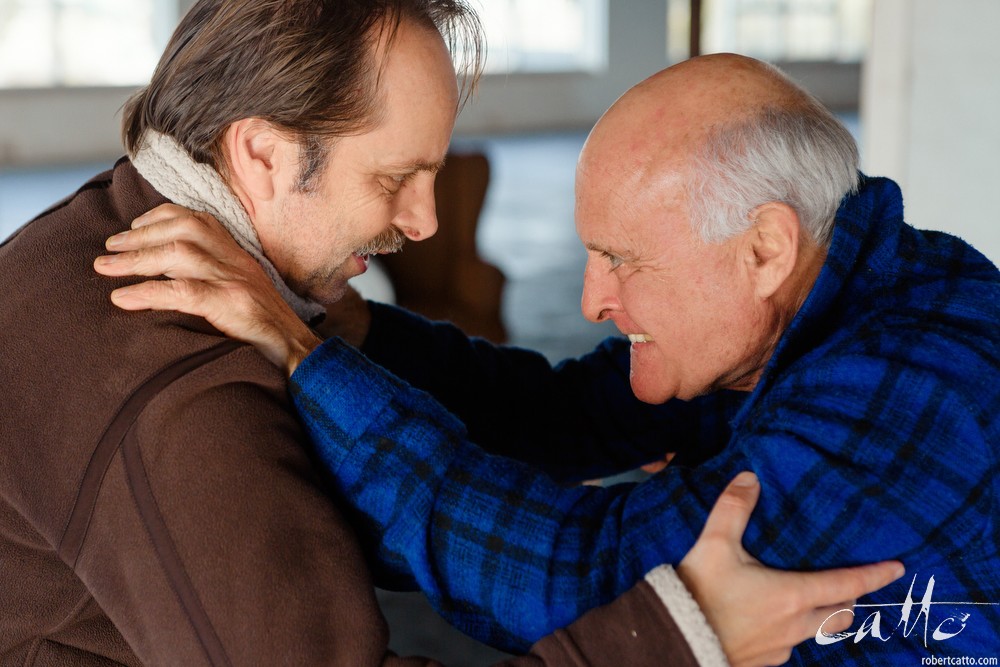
<point x="640" y="338"/>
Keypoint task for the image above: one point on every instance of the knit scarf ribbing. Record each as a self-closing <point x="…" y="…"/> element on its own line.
<point x="168" y="168"/>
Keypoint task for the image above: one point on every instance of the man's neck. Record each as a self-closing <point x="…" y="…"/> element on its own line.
<point x="163" y="162"/>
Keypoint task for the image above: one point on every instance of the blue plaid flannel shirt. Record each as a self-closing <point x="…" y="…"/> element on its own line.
<point x="874" y="430"/>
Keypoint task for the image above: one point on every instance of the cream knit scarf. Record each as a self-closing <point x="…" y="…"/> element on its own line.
<point x="168" y="168"/>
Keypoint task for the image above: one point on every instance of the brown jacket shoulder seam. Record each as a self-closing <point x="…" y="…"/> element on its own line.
<point x="166" y="552"/>
<point x="118" y="436"/>
<point x="110" y="442"/>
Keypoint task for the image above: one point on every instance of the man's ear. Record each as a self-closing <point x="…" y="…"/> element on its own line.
<point x="772" y="248"/>
<point x="258" y="157"/>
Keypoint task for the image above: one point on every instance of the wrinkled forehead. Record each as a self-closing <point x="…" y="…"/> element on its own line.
<point x="622" y="197"/>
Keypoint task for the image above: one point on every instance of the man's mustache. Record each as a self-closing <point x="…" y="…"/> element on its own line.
<point x="389" y="241"/>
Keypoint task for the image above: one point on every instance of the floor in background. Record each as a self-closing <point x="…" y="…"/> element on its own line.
<point x="527" y="230"/>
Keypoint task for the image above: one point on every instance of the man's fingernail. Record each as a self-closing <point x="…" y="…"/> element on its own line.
<point x="116" y="240"/>
<point x="106" y="259"/>
<point x="745" y="480"/>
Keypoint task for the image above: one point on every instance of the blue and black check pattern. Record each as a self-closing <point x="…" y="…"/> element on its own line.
<point x="875" y="431"/>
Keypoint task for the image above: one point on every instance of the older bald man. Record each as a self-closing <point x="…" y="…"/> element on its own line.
<point x="780" y="317"/>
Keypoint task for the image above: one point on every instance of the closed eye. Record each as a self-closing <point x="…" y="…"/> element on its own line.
<point x="393" y="183"/>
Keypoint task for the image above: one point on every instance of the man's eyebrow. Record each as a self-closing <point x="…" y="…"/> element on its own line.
<point x="620" y="253"/>
<point x="416" y="165"/>
<point x="596" y="248"/>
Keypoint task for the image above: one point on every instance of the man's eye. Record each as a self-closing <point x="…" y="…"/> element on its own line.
<point x="393" y="183"/>
<point x="614" y="260"/>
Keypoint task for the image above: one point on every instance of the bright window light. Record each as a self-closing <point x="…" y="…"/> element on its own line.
<point x="545" y="35"/>
<point x="49" y="43"/>
<point x="776" y="30"/>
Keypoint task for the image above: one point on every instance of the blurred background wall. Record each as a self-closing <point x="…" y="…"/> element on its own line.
<point x="930" y="101"/>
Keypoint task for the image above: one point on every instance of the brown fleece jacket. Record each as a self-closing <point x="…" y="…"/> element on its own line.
<point x="157" y="500"/>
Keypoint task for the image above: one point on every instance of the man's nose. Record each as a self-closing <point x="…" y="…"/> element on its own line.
<point x="599" y="296"/>
<point x="417" y="214"/>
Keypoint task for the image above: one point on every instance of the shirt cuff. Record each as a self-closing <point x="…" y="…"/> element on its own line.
<point x="686" y="613"/>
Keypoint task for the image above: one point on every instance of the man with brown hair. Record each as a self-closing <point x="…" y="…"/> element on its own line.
<point x="158" y="505"/>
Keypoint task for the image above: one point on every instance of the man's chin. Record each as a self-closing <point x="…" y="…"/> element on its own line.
<point x="649" y="394"/>
<point x="326" y="292"/>
<point x="648" y="376"/>
<point x="331" y="295"/>
<point x="656" y="392"/>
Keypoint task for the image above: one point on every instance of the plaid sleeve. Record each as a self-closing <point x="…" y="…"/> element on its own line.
<point x="855" y="444"/>
<point x="866" y="459"/>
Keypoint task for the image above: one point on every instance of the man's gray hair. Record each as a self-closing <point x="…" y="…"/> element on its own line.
<point x="800" y="155"/>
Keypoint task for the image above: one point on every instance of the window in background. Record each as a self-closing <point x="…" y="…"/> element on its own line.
<point x="52" y="43"/>
<point x="776" y="30"/>
<point x="545" y="35"/>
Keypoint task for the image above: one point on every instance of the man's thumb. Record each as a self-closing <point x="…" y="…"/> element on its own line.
<point x="732" y="510"/>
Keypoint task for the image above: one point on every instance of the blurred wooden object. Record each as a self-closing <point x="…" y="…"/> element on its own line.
<point x="443" y="277"/>
<point x="694" y="34"/>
